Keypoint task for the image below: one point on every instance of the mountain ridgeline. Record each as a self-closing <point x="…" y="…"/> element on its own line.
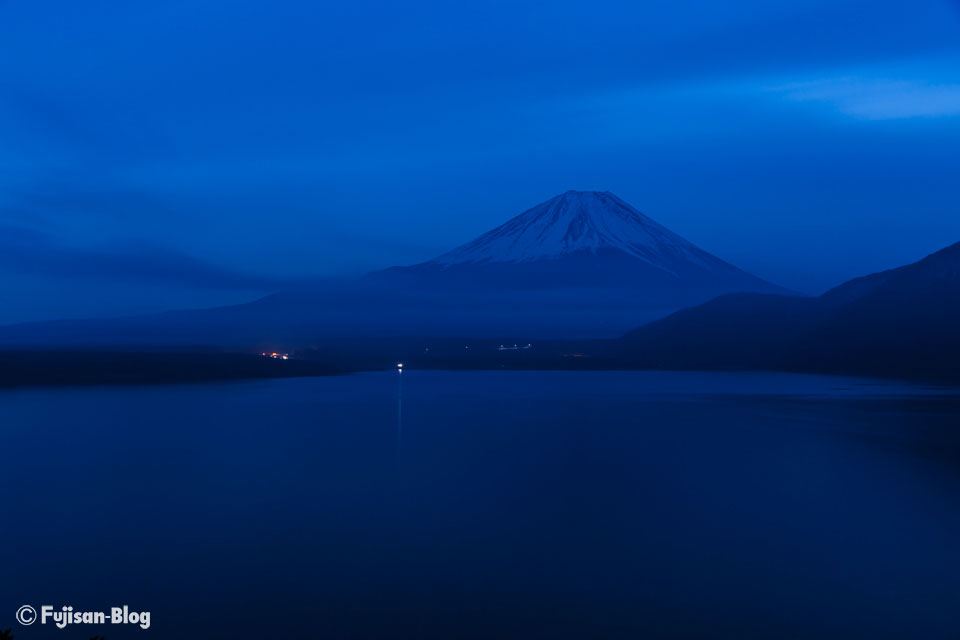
<point x="903" y="322"/>
<point x="582" y="264"/>
<point x="595" y="284"/>
<point x="579" y="239"/>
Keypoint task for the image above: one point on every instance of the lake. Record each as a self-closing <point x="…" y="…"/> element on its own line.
<point x="488" y="505"/>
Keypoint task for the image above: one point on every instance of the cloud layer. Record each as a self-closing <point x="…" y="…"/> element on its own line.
<point x="254" y="143"/>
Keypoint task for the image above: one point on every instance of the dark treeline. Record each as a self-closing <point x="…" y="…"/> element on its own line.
<point x="88" y="367"/>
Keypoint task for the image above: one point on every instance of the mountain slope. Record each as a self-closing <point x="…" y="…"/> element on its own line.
<point x="576" y="221"/>
<point x="579" y="239"/>
<point x="901" y="322"/>
<point x="582" y="264"/>
<point x="906" y="320"/>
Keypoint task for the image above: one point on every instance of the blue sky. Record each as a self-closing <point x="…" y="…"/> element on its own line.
<point x="188" y="153"/>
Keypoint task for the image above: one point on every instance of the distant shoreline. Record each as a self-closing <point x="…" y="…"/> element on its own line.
<point x="83" y="368"/>
<point x="505" y="354"/>
<point x="86" y="367"/>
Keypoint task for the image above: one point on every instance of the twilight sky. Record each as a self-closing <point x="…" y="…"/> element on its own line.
<point x="198" y="152"/>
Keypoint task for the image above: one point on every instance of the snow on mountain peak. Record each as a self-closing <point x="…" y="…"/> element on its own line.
<point x="577" y="221"/>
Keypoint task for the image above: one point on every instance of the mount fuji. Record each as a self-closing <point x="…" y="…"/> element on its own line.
<point x="581" y="221"/>
<point x="581" y="239"/>
<point x="582" y="264"/>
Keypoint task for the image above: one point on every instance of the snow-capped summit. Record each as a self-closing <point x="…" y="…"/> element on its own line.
<point x="582" y="263"/>
<point x="584" y="223"/>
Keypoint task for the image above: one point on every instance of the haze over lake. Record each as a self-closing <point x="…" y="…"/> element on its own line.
<point x="539" y="504"/>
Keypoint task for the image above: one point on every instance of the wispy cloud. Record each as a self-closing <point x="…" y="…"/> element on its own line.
<point x="28" y="251"/>
<point x="879" y="98"/>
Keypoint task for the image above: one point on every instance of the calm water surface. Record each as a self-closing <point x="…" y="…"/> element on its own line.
<point x="490" y="505"/>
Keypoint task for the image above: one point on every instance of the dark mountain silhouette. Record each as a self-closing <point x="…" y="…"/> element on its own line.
<point x="580" y="264"/>
<point x="901" y="322"/>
